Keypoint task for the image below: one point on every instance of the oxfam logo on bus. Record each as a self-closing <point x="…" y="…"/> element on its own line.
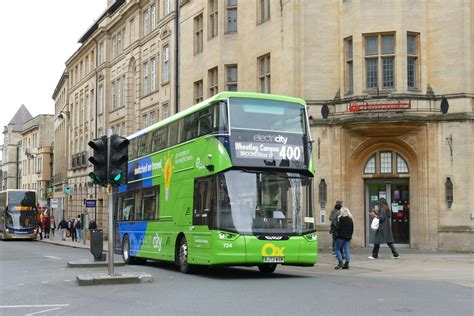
<point x="270" y="138"/>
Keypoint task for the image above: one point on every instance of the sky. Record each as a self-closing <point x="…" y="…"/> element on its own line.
<point x="37" y="39"/>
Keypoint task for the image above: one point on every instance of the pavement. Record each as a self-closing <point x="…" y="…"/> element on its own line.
<point x="455" y="268"/>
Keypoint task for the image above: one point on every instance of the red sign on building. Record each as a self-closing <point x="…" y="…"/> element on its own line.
<point x="377" y="105"/>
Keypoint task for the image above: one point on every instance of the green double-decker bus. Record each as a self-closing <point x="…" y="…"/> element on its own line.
<point x="228" y="181"/>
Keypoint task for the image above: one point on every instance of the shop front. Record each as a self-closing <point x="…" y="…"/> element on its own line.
<point x="397" y="194"/>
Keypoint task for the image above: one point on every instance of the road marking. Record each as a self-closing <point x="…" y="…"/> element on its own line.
<point x="44" y="282"/>
<point x="29" y="306"/>
<point x="45" y="311"/>
<point x="52" y="257"/>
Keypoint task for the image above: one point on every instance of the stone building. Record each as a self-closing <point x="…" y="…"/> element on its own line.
<point x="394" y="82"/>
<point x="36" y="156"/>
<point x="389" y="87"/>
<point x="121" y="78"/>
<point x="11" y="151"/>
<point x="61" y="157"/>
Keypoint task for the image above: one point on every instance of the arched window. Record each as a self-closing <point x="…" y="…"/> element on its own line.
<point x="370" y="166"/>
<point x="402" y="166"/>
<point x="385" y="163"/>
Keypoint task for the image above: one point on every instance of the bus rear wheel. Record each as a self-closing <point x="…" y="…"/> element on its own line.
<point x="267" y="268"/>
<point x="183" y="264"/>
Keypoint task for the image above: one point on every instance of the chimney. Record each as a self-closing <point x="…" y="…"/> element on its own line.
<point x="109" y="2"/>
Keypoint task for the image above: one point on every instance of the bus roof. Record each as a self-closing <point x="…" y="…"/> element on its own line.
<point x="219" y="96"/>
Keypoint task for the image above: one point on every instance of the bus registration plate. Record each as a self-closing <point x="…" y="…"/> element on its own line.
<point x="274" y="259"/>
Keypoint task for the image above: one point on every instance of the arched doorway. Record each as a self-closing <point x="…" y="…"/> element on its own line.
<point x="387" y="176"/>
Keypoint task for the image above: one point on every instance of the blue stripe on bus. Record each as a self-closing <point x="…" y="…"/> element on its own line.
<point x="136" y="234"/>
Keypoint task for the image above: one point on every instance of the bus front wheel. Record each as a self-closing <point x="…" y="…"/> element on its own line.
<point x="183" y="264"/>
<point x="267" y="268"/>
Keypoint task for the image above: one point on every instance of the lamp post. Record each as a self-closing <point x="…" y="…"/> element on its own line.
<point x="65" y="115"/>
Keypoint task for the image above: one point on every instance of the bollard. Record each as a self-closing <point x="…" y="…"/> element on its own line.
<point x="97" y="245"/>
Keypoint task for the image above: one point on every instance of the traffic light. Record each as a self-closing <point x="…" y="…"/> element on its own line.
<point x="99" y="160"/>
<point x="118" y="160"/>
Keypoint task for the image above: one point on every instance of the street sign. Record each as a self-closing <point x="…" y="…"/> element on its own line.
<point x="91" y="203"/>
<point x="54" y="203"/>
<point x="68" y="189"/>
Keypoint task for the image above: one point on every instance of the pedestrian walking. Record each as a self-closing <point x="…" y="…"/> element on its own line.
<point x="333" y="217"/>
<point x="344" y="230"/>
<point x="52" y="224"/>
<point x="78" y="227"/>
<point x="72" y="228"/>
<point x="47" y="226"/>
<point x="40" y="229"/>
<point x="63" y="228"/>
<point x="383" y="235"/>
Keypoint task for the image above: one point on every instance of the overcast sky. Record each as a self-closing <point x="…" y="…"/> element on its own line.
<point x="37" y="39"/>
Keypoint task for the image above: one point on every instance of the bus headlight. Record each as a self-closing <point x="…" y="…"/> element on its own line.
<point x="311" y="237"/>
<point x="227" y="236"/>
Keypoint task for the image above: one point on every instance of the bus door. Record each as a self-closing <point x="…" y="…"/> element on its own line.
<point x="203" y="214"/>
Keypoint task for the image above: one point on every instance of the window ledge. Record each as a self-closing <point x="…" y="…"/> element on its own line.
<point x="117" y="108"/>
<point x="383" y="92"/>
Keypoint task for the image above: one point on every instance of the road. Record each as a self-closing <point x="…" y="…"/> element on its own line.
<point x="35" y="280"/>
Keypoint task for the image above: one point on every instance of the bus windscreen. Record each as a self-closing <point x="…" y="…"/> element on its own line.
<point x="267" y="115"/>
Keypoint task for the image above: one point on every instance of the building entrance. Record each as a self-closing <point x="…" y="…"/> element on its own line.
<point x="396" y="192"/>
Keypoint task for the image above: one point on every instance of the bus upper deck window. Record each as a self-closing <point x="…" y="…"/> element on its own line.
<point x="221" y="116"/>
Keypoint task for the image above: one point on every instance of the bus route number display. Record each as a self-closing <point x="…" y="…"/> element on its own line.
<point x="271" y="149"/>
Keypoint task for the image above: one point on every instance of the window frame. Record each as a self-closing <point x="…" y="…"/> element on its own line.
<point x="198" y="91"/>
<point x="145" y="78"/>
<point x="231" y="7"/>
<point x="165" y="67"/>
<point x="231" y="85"/>
<point x="416" y="58"/>
<point x="213" y="20"/>
<point x="349" y="65"/>
<point x="213" y="81"/>
<point x="198" y="34"/>
<point x="263" y="11"/>
<point x="379" y="58"/>
<point x="264" y="73"/>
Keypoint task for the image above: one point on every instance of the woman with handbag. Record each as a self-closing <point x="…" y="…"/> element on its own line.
<point x="383" y="235"/>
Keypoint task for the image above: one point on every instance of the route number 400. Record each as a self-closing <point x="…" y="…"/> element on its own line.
<point x="290" y="153"/>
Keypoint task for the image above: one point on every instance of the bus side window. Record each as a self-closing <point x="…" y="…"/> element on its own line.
<point x="144" y="145"/>
<point x="132" y="149"/>
<point x="221" y="117"/>
<point x="190" y="127"/>
<point x="150" y="203"/>
<point x="127" y="206"/>
<point x="173" y="133"/>
<point x="205" y="121"/>
<point x="160" y="138"/>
